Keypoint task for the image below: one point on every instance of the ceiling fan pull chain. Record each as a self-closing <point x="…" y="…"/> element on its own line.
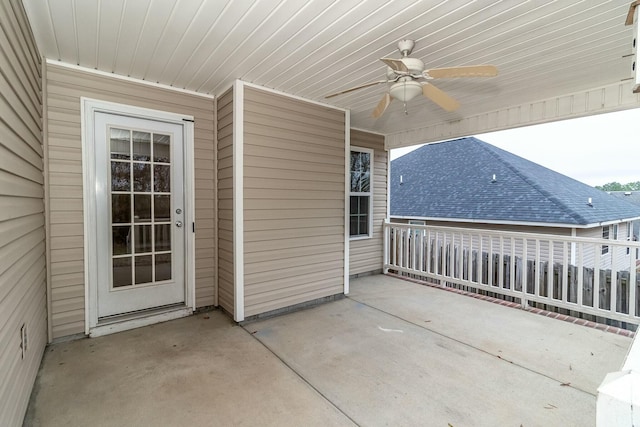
<point x="406" y="113"/>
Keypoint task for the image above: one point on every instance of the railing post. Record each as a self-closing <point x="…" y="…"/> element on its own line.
<point x="385" y="245"/>
<point x="525" y="273"/>
<point x="632" y="282"/>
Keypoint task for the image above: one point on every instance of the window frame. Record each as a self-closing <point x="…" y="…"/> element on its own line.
<point x="369" y="194"/>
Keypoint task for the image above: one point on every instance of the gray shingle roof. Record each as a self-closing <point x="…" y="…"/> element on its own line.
<point x="629" y="196"/>
<point x="453" y="180"/>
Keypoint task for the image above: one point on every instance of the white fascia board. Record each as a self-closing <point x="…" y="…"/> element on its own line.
<point x="603" y="99"/>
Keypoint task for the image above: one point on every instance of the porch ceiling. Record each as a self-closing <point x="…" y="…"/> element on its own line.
<point x="557" y="59"/>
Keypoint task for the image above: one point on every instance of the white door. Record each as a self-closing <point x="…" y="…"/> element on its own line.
<point x="140" y="214"/>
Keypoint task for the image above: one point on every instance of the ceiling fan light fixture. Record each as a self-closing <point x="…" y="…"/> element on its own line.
<point x="405" y="91"/>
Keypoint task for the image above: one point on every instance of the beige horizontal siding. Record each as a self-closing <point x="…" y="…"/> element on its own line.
<point x="225" y="202"/>
<point x="293" y="201"/>
<point x="365" y="255"/>
<point x="65" y="86"/>
<point x="22" y="221"/>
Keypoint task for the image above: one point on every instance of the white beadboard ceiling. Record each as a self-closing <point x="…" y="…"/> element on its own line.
<point x="545" y="51"/>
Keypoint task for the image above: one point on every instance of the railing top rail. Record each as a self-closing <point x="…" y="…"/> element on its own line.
<point x="516" y="234"/>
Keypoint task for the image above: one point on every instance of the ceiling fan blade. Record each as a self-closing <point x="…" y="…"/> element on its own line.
<point x="395" y="64"/>
<point x="439" y="97"/>
<point x="466" y="71"/>
<point x="382" y="105"/>
<point x="355" y="88"/>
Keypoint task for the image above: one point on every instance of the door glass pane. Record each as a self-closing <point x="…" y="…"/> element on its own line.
<point x="120" y="208"/>
<point x="161" y="148"/>
<point x="161" y="178"/>
<point x="143" y="239"/>
<point x="119" y="143"/>
<point x="162" y="208"/>
<point x="141" y="177"/>
<point x="121" y="240"/>
<point x="120" y="176"/>
<point x="142" y="207"/>
<point x="121" y="272"/>
<point x="162" y="237"/>
<point x="163" y="267"/>
<point x="141" y="146"/>
<point x="144" y="269"/>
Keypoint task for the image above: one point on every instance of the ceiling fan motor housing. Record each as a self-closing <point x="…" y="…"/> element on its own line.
<point x="406" y="46"/>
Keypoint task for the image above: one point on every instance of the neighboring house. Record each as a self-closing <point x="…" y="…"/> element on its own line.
<point x="469" y="183"/>
<point x="631" y="197"/>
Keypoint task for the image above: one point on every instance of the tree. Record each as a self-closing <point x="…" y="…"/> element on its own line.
<point x="616" y="186"/>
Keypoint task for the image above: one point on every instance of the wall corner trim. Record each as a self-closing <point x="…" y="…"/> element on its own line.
<point x="347" y="189"/>
<point x="238" y="200"/>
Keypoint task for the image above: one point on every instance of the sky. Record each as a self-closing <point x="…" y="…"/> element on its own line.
<point x="594" y="150"/>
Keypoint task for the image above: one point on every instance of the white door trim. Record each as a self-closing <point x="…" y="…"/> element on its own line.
<point x="89" y="107"/>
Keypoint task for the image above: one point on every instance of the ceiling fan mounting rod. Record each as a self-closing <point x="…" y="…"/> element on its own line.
<point x="406" y="47"/>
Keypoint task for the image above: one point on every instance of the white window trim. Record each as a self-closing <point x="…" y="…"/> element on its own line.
<point x="370" y="193"/>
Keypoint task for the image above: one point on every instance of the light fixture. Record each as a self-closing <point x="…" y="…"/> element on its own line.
<point x="405" y="91"/>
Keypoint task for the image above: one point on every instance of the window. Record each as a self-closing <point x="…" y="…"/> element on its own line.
<point x="361" y="193"/>
<point x="629" y="235"/>
<point x="605" y="235"/>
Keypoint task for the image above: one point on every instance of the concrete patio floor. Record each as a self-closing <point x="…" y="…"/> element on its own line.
<point x="391" y="353"/>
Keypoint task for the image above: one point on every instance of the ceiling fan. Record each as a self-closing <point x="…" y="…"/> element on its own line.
<point x="404" y="74"/>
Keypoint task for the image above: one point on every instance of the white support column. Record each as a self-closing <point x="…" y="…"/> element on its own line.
<point x="238" y="200"/>
<point x="632" y="19"/>
<point x="618" y="401"/>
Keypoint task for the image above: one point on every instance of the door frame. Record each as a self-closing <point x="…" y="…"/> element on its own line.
<point x="88" y="108"/>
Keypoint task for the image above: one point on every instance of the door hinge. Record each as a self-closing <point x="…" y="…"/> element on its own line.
<point x="193" y="226"/>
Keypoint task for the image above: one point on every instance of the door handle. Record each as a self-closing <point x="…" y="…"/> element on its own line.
<point x="178" y="224"/>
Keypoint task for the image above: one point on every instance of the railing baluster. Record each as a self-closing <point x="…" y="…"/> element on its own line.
<point x="501" y="264"/>
<point x="538" y="271"/>
<point x="512" y="265"/>
<point x="596" y="277"/>
<point x="525" y="266"/>
<point x="385" y="244"/>
<point x="613" y="296"/>
<point x="580" y="285"/>
<point x="565" y="272"/>
<point x="632" y="282"/>
<point x="490" y="263"/>
<point x="429" y="251"/>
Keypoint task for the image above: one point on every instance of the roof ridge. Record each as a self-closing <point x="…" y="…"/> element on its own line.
<point x="493" y="151"/>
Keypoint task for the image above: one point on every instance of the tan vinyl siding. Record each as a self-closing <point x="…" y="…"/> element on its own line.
<point x="225" y="202"/>
<point x="294" y="178"/>
<point x="22" y="221"/>
<point x="365" y="255"/>
<point x="65" y="86"/>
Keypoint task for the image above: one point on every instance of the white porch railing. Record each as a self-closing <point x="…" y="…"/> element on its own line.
<point x="591" y="276"/>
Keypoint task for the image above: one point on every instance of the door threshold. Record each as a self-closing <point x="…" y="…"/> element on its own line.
<point x="138" y="319"/>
